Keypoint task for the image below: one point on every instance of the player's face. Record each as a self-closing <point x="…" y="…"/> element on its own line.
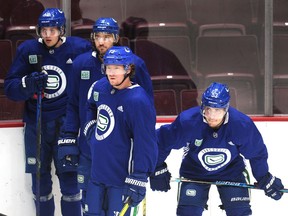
<point x="214" y="116"/>
<point x="115" y="74"/>
<point x="50" y="35"/>
<point x="103" y="42"/>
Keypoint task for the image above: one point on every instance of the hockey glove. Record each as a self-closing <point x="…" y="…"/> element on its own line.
<point x="89" y="130"/>
<point x="35" y="81"/>
<point x="271" y="185"/>
<point x="135" y="188"/>
<point x="160" y="179"/>
<point x="68" y="152"/>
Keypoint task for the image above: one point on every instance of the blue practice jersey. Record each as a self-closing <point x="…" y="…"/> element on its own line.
<point x="214" y="154"/>
<point x="125" y="139"/>
<point x="57" y="62"/>
<point x="87" y="70"/>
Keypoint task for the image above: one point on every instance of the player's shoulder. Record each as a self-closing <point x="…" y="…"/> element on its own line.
<point x="239" y="120"/>
<point x="136" y="94"/>
<point x="192" y="115"/>
<point x="138" y="60"/>
<point x="85" y="57"/>
<point x="77" y="41"/>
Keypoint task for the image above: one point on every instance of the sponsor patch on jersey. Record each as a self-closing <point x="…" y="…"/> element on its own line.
<point x="85" y="75"/>
<point x="33" y="59"/>
<point x="191" y="192"/>
<point x="198" y="142"/>
<point x="31" y="160"/>
<point x="120" y="108"/>
<point x="96" y="96"/>
<point x="69" y="61"/>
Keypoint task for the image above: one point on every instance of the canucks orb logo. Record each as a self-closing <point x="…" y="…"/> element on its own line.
<point x="214" y="158"/>
<point x="215" y="93"/>
<point x="105" y="122"/>
<point x="56" y="81"/>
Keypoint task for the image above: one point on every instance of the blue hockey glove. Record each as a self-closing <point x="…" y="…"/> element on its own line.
<point x="35" y="81"/>
<point x="89" y="129"/>
<point x="160" y="179"/>
<point x="135" y="188"/>
<point x="271" y="185"/>
<point x="68" y="152"/>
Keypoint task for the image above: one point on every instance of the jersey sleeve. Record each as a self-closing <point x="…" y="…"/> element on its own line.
<point x="142" y="121"/>
<point x="142" y="77"/>
<point x="252" y="147"/>
<point x="20" y="68"/>
<point x="171" y="136"/>
<point x="72" y="122"/>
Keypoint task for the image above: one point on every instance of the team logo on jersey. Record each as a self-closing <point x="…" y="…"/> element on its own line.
<point x="56" y="83"/>
<point x="198" y="142"/>
<point x="85" y="75"/>
<point x="31" y="160"/>
<point x="80" y="178"/>
<point x="190" y="192"/>
<point x="105" y="122"/>
<point x="96" y="96"/>
<point x="33" y="59"/>
<point x="214" y="158"/>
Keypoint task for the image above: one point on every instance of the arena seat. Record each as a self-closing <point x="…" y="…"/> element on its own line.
<point x="165" y="102"/>
<point x="6" y="56"/>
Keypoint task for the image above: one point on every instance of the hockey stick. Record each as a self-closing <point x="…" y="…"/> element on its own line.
<point x="38" y="137"/>
<point x="124" y="209"/>
<point x="223" y="183"/>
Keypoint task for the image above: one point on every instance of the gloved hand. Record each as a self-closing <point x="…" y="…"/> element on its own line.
<point x="160" y="179"/>
<point x="35" y="82"/>
<point x="271" y="185"/>
<point x="68" y="152"/>
<point x="89" y="129"/>
<point x="135" y="188"/>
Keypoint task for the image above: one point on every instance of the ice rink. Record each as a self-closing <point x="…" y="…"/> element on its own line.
<point x="16" y="198"/>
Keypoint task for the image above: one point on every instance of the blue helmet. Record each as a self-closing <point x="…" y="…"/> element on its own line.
<point x="119" y="55"/>
<point x="52" y="17"/>
<point x="106" y="24"/>
<point x="216" y="95"/>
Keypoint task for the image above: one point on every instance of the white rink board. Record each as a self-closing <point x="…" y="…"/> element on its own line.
<point x="15" y="185"/>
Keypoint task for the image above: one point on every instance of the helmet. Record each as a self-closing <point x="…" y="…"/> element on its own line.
<point x="52" y="17"/>
<point x="106" y="24"/>
<point x="119" y="55"/>
<point x="216" y="95"/>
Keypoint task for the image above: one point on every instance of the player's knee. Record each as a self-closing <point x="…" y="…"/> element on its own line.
<point x="186" y="210"/>
<point x="240" y="211"/>
<point x="237" y="208"/>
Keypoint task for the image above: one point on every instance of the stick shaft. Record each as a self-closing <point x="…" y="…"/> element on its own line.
<point x="124" y="209"/>
<point x="222" y="183"/>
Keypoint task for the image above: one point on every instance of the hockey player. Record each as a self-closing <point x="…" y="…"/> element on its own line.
<point x="121" y="132"/>
<point x="215" y="137"/>
<point x="24" y="79"/>
<point x="87" y="68"/>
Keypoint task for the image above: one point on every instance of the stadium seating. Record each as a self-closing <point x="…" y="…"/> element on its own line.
<point x="165" y="102"/>
<point x="6" y="56"/>
<point x="233" y="60"/>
